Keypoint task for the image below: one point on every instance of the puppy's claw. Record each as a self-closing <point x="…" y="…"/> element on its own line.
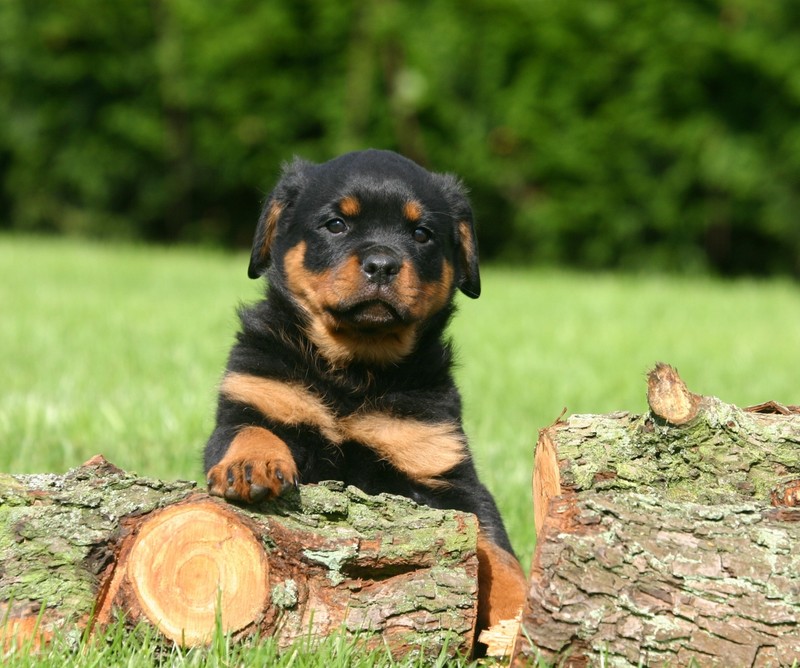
<point x="258" y="493"/>
<point x="286" y="485"/>
<point x="214" y="489"/>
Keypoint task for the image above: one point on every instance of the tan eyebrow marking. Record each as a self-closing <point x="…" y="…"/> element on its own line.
<point x="350" y="206"/>
<point x="412" y="210"/>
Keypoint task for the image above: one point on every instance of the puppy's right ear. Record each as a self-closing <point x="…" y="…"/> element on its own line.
<point x="294" y="176"/>
<point x="468" y="276"/>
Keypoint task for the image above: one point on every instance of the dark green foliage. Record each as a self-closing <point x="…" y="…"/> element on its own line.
<point x="615" y="133"/>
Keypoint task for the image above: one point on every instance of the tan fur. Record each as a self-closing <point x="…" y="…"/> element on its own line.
<point x="264" y="454"/>
<point x="465" y="237"/>
<point x="502" y="586"/>
<point x="412" y="210"/>
<point x="287" y="403"/>
<point x="350" y="206"/>
<point x="467" y="244"/>
<point x="421" y="450"/>
<point x="274" y="213"/>
<point x="339" y="344"/>
<point x="434" y="296"/>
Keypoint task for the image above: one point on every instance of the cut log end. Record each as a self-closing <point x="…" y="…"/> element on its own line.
<point x="546" y="477"/>
<point x="500" y="638"/>
<point x="192" y="564"/>
<point x="668" y="396"/>
<point x="23" y="626"/>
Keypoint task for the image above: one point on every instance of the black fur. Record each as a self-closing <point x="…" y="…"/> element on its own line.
<point x="274" y="342"/>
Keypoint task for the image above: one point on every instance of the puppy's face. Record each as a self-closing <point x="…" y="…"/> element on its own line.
<point x="370" y="247"/>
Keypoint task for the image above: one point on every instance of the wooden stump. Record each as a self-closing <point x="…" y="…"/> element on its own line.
<point x="184" y="565"/>
<point x="668" y="536"/>
<point x="99" y="541"/>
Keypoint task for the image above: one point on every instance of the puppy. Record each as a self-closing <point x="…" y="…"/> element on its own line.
<point x="342" y="372"/>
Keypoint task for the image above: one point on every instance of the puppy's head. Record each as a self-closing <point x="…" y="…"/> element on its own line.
<point x="370" y="247"/>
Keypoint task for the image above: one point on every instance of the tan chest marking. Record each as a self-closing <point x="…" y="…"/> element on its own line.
<point x="421" y="450"/>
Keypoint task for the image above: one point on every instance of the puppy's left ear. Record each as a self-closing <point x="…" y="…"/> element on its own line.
<point x="468" y="276"/>
<point x="277" y="207"/>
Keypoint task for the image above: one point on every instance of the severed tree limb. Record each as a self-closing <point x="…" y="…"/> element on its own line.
<point x="688" y="448"/>
<point x="98" y="543"/>
<point x="668" y="536"/>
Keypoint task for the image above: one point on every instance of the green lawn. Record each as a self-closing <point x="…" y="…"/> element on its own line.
<point x="117" y="350"/>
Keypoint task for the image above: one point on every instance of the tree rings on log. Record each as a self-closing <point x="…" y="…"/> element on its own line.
<point x="190" y="564"/>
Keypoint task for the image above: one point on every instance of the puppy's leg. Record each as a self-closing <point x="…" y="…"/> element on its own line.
<point x="257" y="465"/>
<point x="502" y="586"/>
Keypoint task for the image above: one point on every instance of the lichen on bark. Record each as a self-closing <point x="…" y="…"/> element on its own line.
<point x="396" y="574"/>
<point x="54" y="530"/>
<point x="723" y="454"/>
<point x="644" y="580"/>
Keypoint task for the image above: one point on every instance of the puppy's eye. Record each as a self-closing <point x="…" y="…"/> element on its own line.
<point x="336" y="226"/>
<point x="422" y="235"/>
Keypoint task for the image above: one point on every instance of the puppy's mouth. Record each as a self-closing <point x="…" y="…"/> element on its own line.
<point x="370" y="315"/>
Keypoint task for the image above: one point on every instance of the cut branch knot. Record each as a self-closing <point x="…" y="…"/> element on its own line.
<point x="668" y="396"/>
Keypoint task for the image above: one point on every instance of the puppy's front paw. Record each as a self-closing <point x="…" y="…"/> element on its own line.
<point x="257" y="466"/>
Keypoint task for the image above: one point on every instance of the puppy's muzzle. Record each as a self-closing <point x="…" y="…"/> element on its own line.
<point x="381" y="265"/>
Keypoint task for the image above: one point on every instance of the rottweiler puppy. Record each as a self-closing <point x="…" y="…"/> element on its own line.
<point x="343" y="372"/>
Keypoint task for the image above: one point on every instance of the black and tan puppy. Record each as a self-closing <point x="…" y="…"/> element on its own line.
<point x="342" y="371"/>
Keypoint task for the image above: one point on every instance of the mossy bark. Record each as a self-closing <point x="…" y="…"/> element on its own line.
<point x="627" y="579"/>
<point x="724" y="454"/>
<point x="667" y="536"/>
<point x="58" y="537"/>
<point x="394" y="573"/>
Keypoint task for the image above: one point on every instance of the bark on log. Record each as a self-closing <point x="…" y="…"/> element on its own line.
<point x="80" y="549"/>
<point x="667" y="536"/>
<point x="722" y="453"/>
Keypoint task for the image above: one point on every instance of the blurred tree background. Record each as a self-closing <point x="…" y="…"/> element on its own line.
<point x="605" y="134"/>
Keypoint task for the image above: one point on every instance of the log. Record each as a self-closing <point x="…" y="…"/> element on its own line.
<point x="632" y="579"/>
<point x="80" y="550"/>
<point x="667" y="537"/>
<point x="716" y="452"/>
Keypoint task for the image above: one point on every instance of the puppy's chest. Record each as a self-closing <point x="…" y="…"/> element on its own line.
<point x="394" y="441"/>
<point x="358" y="465"/>
<point x="395" y="428"/>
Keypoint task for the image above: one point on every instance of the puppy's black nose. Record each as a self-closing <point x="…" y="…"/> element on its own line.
<point x="381" y="265"/>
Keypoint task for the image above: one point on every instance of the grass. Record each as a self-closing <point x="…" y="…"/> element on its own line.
<point x="117" y="350"/>
<point x="119" y="647"/>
